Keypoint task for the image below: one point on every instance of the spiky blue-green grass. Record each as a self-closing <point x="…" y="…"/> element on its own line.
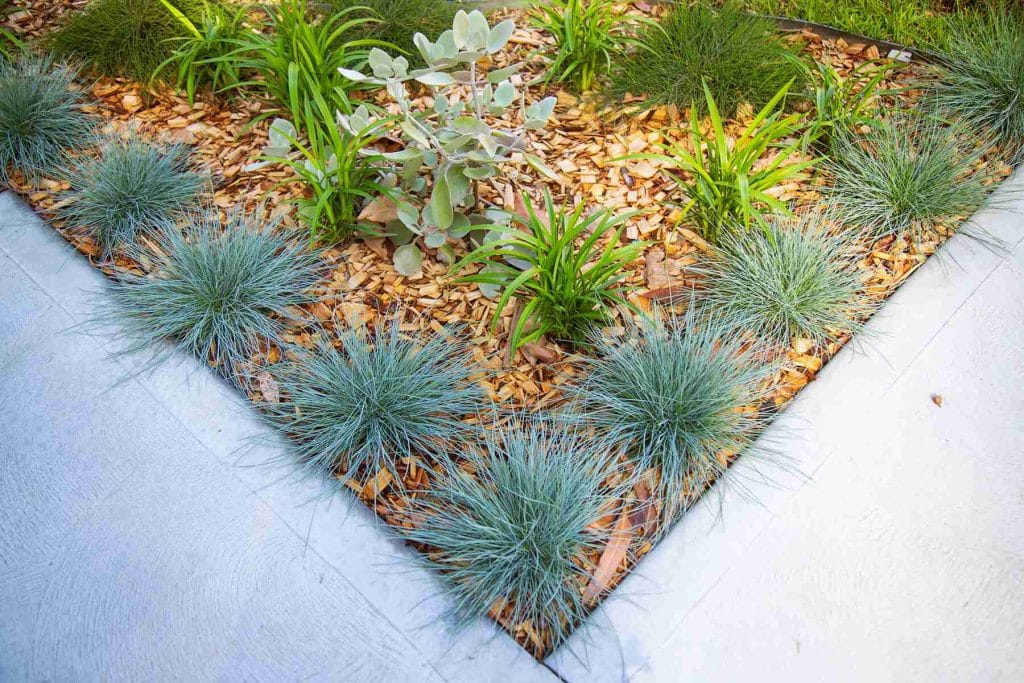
<point x="221" y="293"/>
<point x="510" y="528"/>
<point x="133" y="187"/>
<point x="791" y="280"/>
<point x="904" y="176"/>
<point x="982" y="80"/>
<point x="372" y="401"/>
<point x="680" y="395"/>
<point x="42" y="117"/>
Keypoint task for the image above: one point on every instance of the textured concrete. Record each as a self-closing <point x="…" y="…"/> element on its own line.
<point x="136" y="545"/>
<point x="899" y="553"/>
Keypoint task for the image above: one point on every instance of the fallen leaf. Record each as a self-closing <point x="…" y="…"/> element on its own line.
<point x="937" y="399"/>
<point x="268" y="387"/>
<point x="380" y="210"/>
<point x="611" y="559"/>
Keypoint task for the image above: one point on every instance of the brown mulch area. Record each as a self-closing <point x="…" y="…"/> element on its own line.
<point x="580" y="145"/>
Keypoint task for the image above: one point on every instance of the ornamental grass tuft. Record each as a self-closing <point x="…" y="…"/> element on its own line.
<point x="905" y="176"/>
<point x="680" y="395"/>
<point x="133" y="187"/>
<point x="223" y="293"/>
<point x="397" y="21"/>
<point x="982" y="81"/>
<point x="740" y="56"/>
<point x="370" y="402"/>
<point x="792" y="280"/>
<point x="123" y="37"/>
<point x="507" y="530"/>
<point x="42" y="117"/>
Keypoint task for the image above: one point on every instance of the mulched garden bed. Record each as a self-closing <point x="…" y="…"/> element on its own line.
<point x="580" y="145"/>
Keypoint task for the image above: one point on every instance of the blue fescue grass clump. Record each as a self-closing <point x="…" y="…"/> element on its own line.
<point x="791" y="280"/>
<point x="904" y="176"/>
<point x="220" y="292"/>
<point x="508" y="529"/>
<point x="982" y="79"/>
<point x="42" y="117"/>
<point x="131" y="188"/>
<point x="363" y="406"/>
<point x="680" y="395"/>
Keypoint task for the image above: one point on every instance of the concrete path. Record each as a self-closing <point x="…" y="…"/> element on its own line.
<point x="900" y="557"/>
<point x="133" y="545"/>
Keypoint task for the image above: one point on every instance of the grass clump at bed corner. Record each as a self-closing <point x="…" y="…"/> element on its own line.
<point x="371" y="402"/>
<point x="397" y="21"/>
<point x="793" y="280"/>
<point x="42" y="117"/>
<point x="123" y="37"/>
<point x="739" y="56"/>
<point x="905" y="175"/>
<point x="680" y="394"/>
<point x="223" y="293"/>
<point x="132" y="187"/>
<point x="982" y="81"/>
<point x="506" y="531"/>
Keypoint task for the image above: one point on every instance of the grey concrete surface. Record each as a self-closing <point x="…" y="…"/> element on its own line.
<point x="898" y="554"/>
<point x="142" y="538"/>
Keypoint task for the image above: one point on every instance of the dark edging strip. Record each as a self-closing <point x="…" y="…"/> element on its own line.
<point x="830" y="32"/>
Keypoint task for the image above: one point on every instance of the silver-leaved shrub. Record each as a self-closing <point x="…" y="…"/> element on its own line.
<point x="457" y="142"/>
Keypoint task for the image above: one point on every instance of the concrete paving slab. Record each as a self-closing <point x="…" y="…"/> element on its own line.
<point x="132" y="545"/>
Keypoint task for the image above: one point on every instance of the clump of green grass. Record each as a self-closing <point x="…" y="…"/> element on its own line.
<point x="42" y="117"/>
<point x="739" y="56"/>
<point x="222" y="293"/>
<point x="845" y="103"/>
<point x="122" y="37"/>
<point x="397" y="21"/>
<point x="552" y="262"/>
<point x="679" y="395"/>
<point x="793" y="280"/>
<point x="132" y="187"/>
<point x="509" y="532"/>
<point x="905" y="175"/>
<point x="982" y="80"/>
<point x="371" y="402"/>
<point x="908" y="22"/>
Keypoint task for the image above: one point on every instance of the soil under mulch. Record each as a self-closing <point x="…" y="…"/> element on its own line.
<point x="579" y="145"/>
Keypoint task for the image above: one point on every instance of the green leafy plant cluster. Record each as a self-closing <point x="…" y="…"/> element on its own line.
<point x="453" y="144"/>
<point x="982" y="80"/>
<point x="123" y="37"/>
<point x="909" y="173"/>
<point x="299" y="55"/>
<point x="372" y="402"/>
<point x="557" y="268"/>
<point x="589" y="36"/>
<point x="132" y="187"/>
<point x="847" y="103"/>
<point x="397" y="21"/>
<point x="43" y="117"/>
<point x="222" y="293"/>
<point x="731" y="187"/>
<point x="737" y="55"/>
<point x="204" y="56"/>
<point x="793" y="280"/>
<point x="339" y="166"/>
